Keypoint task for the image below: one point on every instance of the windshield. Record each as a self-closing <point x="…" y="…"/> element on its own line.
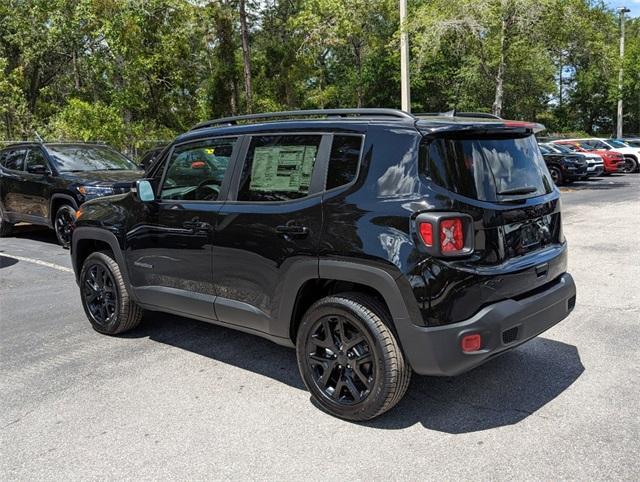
<point x="615" y="143"/>
<point x="544" y="149"/>
<point x="73" y="158"/>
<point x="561" y="148"/>
<point x="487" y="168"/>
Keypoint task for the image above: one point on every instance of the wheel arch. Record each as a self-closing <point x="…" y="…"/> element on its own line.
<point x="86" y="240"/>
<point x="57" y="200"/>
<point x="340" y="276"/>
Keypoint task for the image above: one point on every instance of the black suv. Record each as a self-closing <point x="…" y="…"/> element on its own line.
<point x="375" y="242"/>
<point x="45" y="183"/>
<point x="564" y="168"/>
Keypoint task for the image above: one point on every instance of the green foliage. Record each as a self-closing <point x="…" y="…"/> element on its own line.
<point x="129" y="71"/>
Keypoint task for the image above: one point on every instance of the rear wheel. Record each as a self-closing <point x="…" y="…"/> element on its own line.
<point x="556" y="175"/>
<point x="349" y="359"/>
<point x="104" y="295"/>
<point x="63" y="224"/>
<point x="630" y="165"/>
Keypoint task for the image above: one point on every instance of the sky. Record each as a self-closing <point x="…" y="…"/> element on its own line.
<point x="633" y="5"/>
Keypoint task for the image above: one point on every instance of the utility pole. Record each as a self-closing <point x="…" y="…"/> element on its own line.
<point x="622" y="11"/>
<point x="405" y="89"/>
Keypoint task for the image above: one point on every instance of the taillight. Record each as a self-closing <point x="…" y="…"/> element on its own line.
<point x="451" y="235"/>
<point x="446" y="234"/>
<point x="426" y="233"/>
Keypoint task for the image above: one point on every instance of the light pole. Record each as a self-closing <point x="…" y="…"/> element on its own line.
<point x="622" y="11"/>
<point x="405" y="89"/>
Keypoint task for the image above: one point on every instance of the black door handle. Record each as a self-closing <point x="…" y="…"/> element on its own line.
<point x="292" y="230"/>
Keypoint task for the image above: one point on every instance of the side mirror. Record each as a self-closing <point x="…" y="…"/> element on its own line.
<point x="145" y="191"/>
<point x="38" y="169"/>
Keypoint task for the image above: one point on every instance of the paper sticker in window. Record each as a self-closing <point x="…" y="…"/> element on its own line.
<point x="282" y="168"/>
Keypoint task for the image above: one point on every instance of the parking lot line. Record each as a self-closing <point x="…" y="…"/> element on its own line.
<point x="37" y="261"/>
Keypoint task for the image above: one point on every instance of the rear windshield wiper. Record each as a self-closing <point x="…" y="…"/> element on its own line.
<point x="518" y="190"/>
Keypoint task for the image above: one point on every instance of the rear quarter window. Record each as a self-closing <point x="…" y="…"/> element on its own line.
<point x="344" y="160"/>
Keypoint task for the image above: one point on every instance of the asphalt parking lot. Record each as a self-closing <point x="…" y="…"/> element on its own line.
<point x="181" y="399"/>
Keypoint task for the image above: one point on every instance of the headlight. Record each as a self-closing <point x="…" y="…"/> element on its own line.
<point x="95" y="191"/>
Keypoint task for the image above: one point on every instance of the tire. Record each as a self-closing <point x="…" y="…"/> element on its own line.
<point x="103" y="292"/>
<point x="376" y="375"/>
<point x="556" y="175"/>
<point x="63" y="224"/>
<point x="6" y="228"/>
<point x="630" y="165"/>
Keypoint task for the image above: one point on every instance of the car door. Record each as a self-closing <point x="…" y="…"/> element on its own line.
<point x="270" y="223"/>
<point x="37" y="185"/>
<point x="13" y="181"/>
<point x="170" y="253"/>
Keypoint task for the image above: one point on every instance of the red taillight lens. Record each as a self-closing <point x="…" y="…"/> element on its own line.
<point x="451" y="235"/>
<point x="471" y="343"/>
<point x="426" y="233"/>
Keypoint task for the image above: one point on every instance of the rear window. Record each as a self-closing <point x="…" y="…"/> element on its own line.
<point x="487" y="168"/>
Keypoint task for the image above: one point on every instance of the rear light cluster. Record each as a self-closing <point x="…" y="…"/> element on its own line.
<point x="446" y="234"/>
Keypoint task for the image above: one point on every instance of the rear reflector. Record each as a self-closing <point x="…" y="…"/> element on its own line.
<point x="471" y="343"/>
<point x="426" y="233"/>
<point x="451" y="235"/>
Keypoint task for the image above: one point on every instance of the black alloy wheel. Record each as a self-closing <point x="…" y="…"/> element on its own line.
<point x="104" y="295"/>
<point x="63" y="224"/>
<point x="349" y="358"/>
<point x="99" y="294"/>
<point x="340" y="358"/>
<point x="556" y="175"/>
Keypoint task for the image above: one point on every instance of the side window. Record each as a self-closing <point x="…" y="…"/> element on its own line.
<point x="36" y="158"/>
<point x="344" y="159"/>
<point x="14" y="159"/>
<point x="196" y="171"/>
<point x="278" y="168"/>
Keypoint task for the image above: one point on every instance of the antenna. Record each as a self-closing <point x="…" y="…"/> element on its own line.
<point x="40" y="139"/>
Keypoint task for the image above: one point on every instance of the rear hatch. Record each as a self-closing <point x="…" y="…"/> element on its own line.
<point x="498" y="177"/>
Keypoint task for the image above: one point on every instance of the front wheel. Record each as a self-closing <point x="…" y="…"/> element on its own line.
<point x="349" y="358"/>
<point x="556" y="175"/>
<point x="63" y="224"/>
<point x="630" y="165"/>
<point x="105" y="298"/>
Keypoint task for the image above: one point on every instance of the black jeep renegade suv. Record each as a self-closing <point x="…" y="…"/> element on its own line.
<point x="375" y="242"/>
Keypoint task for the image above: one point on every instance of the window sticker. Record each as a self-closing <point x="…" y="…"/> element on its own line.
<point x="282" y="168"/>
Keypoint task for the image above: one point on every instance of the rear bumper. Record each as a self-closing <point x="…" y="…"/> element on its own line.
<point x="502" y="326"/>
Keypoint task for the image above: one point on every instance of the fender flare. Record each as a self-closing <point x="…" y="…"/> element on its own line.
<point x="98" y="234"/>
<point x="59" y="195"/>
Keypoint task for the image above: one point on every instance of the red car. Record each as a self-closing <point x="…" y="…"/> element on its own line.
<point x="613" y="161"/>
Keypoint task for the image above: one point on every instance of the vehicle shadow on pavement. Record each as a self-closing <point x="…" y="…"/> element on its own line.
<point x="613" y="181"/>
<point x="504" y="391"/>
<point x="222" y="344"/>
<point x="36" y="233"/>
<point x="5" y="262"/>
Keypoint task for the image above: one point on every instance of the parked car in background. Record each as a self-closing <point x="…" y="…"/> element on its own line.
<point x="150" y="156"/>
<point x="595" y="164"/>
<point x="631" y="154"/>
<point x="375" y="242"/>
<point x="45" y="183"/>
<point x="632" y="141"/>
<point x="564" y="168"/>
<point x="613" y="160"/>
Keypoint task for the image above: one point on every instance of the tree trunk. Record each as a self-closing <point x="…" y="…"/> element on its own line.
<point x="76" y="73"/>
<point x="497" y="103"/>
<point x="246" y="56"/>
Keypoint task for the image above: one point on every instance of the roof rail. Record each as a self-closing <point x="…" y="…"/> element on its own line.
<point x="453" y="113"/>
<point x="372" y="113"/>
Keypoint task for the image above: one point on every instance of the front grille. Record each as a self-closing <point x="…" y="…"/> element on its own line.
<point x="572" y="302"/>
<point x="510" y="335"/>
